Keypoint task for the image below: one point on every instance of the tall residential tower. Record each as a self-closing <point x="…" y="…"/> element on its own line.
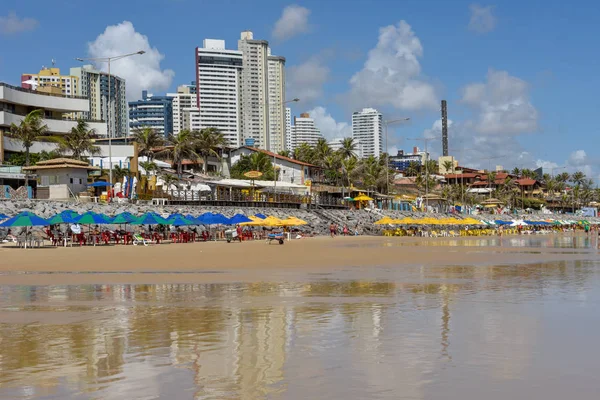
<point x="367" y="129"/>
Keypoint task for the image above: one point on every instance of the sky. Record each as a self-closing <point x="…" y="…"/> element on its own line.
<point x="520" y="77"/>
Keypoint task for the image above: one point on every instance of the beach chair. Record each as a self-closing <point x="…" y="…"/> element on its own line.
<point x="137" y="239"/>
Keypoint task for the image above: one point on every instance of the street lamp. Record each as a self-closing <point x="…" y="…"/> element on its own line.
<point x="426" y="140"/>
<point x="108" y="132"/>
<point x="387" y="170"/>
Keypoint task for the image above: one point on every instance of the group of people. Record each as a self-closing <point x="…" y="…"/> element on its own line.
<point x="345" y="231"/>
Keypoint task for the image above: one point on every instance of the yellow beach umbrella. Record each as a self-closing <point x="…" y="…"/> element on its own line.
<point x="255" y="221"/>
<point x="385" y="221"/>
<point x="362" y="197"/>
<point x="297" y="221"/>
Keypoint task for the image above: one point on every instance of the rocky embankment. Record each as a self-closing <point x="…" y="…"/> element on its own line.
<point x="318" y="219"/>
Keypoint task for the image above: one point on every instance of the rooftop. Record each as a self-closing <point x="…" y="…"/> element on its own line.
<point x="57" y="163"/>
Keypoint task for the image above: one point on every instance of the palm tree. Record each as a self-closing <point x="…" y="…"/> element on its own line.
<point x="257" y="161"/>
<point x="304" y="153"/>
<point x="120" y="173"/>
<point x="516" y="171"/>
<point x="285" y="153"/>
<point x="413" y="169"/>
<point x="179" y="148"/>
<point x="578" y="178"/>
<point x="347" y="149"/>
<point x="28" y="130"/>
<point x="563" y="177"/>
<point x="348" y="169"/>
<point x="169" y="181"/>
<point x="79" y="141"/>
<point x="321" y="151"/>
<point x="208" y="142"/>
<point x="148" y="139"/>
<point x="448" y="166"/>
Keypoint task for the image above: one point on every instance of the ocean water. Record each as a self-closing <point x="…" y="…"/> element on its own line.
<point x="430" y="332"/>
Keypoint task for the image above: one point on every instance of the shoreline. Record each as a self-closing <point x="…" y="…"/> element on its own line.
<point x="221" y="262"/>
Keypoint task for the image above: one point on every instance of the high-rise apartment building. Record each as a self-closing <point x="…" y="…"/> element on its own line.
<point x="288" y="128"/>
<point x="262" y="94"/>
<point x="151" y="111"/>
<point x="367" y="128"/>
<point x="68" y="84"/>
<point x="93" y="84"/>
<point x="185" y="101"/>
<point x="304" y="131"/>
<point x="218" y="73"/>
<point x="276" y="85"/>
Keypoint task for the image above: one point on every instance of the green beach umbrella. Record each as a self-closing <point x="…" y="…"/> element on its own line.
<point x="150" y="219"/>
<point x="25" y="218"/>
<point x="91" y="218"/>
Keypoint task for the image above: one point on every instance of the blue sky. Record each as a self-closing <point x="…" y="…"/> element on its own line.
<point x="520" y="77"/>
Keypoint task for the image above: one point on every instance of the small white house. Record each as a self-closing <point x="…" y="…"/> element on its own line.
<point x="69" y="173"/>
<point x="290" y="170"/>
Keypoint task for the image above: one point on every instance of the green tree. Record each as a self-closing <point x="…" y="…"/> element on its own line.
<point x="78" y="141"/>
<point x="305" y="153"/>
<point x="28" y="130"/>
<point x="448" y="166"/>
<point x="119" y="173"/>
<point x="347" y="149"/>
<point x="180" y="147"/>
<point x="256" y="161"/>
<point x="563" y="177"/>
<point x="321" y="152"/>
<point x="208" y="143"/>
<point x="148" y="166"/>
<point x="148" y="140"/>
<point x="516" y="171"/>
<point x="414" y="168"/>
<point x="169" y="181"/>
<point x="285" y="153"/>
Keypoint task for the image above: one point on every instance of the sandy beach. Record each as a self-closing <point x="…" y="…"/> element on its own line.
<point x="254" y="261"/>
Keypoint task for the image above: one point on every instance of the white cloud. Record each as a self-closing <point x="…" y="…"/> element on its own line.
<point x="502" y="105"/>
<point x="305" y="81"/>
<point x="140" y="71"/>
<point x="293" y="21"/>
<point x="12" y="24"/>
<point x="391" y="76"/>
<point x="578" y="158"/>
<point x="329" y="127"/>
<point x="482" y="19"/>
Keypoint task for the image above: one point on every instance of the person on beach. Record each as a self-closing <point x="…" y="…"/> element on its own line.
<point x="332" y="229"/>
<point x="345" y="230"/>
<point x="238" y="229"/>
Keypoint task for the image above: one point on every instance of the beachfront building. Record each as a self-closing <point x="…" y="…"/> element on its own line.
<point x="367" y="128"/>
<point x="304" y="131"/>
<point x="277" y="110"/>
<point x="151" y="111"/>
<point x="61" y="178"/>
<point x="17" y="102"/>
<point x="184" y="102"/>
<point x="401" y="161"/>
<point x="68" y="84"/>
<point x="290" y="170"/>
<point x="218" y="73"/>
<point x="93" y="85"/>
<point x="288" y="128"/>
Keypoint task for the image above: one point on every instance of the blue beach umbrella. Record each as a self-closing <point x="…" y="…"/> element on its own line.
<point x="213" y="219"/>
<point x="123" y="218"/>
<point x="100" y="184"/>
<point x="62" y="219"/>
<point x="261" y="216"/>
<point x="238" y="219"/>
<point x="3" y="216"/>
<point x="25" y="218"/>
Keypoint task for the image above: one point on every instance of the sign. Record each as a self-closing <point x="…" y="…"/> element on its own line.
<point x="253" y="174"/>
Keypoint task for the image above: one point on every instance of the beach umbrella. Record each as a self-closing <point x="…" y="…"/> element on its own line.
<point x="179" y="221"/>
<point x="519" y="223"/>
<point x="293" y="221"/>
<point x="362" y="197"/>
<point x="385" y="221"/>
<point x="261" y="216"/>
<point x="150" y="219"/>
<point x="62" y="219"/>
<point x="3" y="216"/>
<point x="91" y="218"/>
<point x="238" y="219"/>
<point x="123" y="218"/>
<point x="175" y="215"/>
<point x="254" y="221"/>
<point x="213" y="219"/>
<point x="26" y="219"/>
<point x="100" y="184"/>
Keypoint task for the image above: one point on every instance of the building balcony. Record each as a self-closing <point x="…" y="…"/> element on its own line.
<point x="46" y="101"/>
<point x="55" y="126"/>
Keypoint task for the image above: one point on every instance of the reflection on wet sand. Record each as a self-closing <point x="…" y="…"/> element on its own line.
<point x="327" y="338"/>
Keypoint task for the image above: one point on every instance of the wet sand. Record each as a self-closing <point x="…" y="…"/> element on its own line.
<point x="221" y="262"/>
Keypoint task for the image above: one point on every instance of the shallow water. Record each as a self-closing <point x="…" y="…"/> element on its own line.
<point x="460" y="332"/>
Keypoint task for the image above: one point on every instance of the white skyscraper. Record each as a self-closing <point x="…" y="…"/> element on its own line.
<point x="262" y="94"/>
<point x="276" y="85"/>
<point x="367" y="128"/>
<point x="304" y="131"/>
<point x="218" y="73"/>
<point x="184" y="102"/>
<point x="288" y="128"/>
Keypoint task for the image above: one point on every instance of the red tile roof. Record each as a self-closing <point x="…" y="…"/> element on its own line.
<point x="271" y="154"/>
<point x="465" y="175"/>
<point x="526" y="182"/>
